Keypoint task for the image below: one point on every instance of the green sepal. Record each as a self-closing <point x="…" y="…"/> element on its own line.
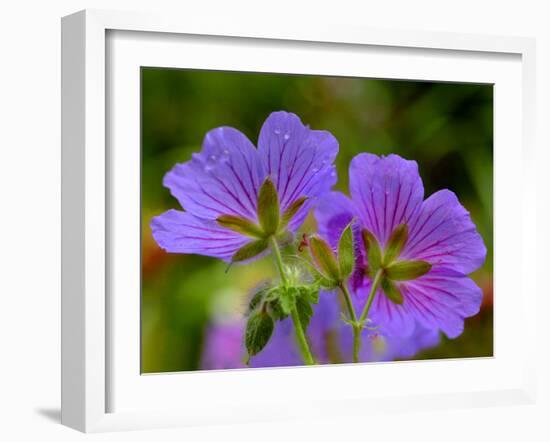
<point x="391" y="291"/>
<point x="324" y="258"/>
<point x="250" y="250"/>
<point x="305" y="311"/>
<point x="346" y="258"/>
<point x="396" y="242"/>
<point x="372" y="249"/>
<point x="240" y="225"/>
<point x="407" y="270"/>
<point x="259" y="329"/>
<point x="291" y="211"/>
<point x="287" y="299"/>
<point x="268" y="207"/>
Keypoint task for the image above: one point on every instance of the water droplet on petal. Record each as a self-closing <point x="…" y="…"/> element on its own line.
<point x="287" y="136"/>
<point x="277" y="131"/>
<point x="225" y="152"/>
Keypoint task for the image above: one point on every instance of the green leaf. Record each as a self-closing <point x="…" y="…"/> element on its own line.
<point x="346" y="258"/>
<point x="291" y="211"/>
<point x="268" y="207"/>
<point x="250" y="250"/>
<point x="407" y="270"/>
<point x="255" y="301"/>
<point x="397" y="241"/>
<point x="391" y="291"/>
<point x="324" y="258"/>
<point x="259" y="329"/>
<point x="277" y="310"/>
<point x="374" y="254"/>
<point x="260" y="295"/>
<point x="305" y="311"/>
<point x="240" y="225"/>
<point x="310" y="293"/>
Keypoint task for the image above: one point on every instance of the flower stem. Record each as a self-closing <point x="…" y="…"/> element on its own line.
<point x="300" y="333"/>
<point x="375" y="283"/>
<point x="278" y="259"/>
<point x="355" y="324"/>
<point x="301" y="338"/>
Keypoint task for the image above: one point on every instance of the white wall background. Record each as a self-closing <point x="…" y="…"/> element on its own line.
<point x="30" y="215"/>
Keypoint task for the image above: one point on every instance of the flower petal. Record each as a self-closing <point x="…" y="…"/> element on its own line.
<point x="443" y="234"/>
<point x="387" y="191"/>
<point x="181" y="232"/>
<point x="333" y="213"/>
<point x="439" y="300"/>
<point x="442" y="300"/>
<point x="298" y="159"/>
<point x="395" y="319"/>
<point x="223" y="179"/>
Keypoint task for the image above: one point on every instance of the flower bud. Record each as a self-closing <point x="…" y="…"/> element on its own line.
<point x="324" y="258"/>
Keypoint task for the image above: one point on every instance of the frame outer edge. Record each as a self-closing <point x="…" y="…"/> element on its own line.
<point x="73" y="348"/>
<point x="83" y="334"/>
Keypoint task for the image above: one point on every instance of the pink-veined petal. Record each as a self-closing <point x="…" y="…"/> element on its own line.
<point x="387" y="191"/>
<point x="223" y="179"/>
<point x="443" y="234"/>
<point x="299" y="160"/>
<point x="181" y="232"/>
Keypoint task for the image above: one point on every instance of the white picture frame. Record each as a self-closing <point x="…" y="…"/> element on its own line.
<point x="89" y="171"/>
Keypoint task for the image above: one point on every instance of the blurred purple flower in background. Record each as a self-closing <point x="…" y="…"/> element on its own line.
<point x="387" y="196"/>
<point x="225" y="177"/>
<point x="331" y="341"/>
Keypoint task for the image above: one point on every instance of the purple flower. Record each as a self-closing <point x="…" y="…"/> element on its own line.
<point x="223" y="181"/>
<point x="434" y="237"/>
<point x="331" y="341"/>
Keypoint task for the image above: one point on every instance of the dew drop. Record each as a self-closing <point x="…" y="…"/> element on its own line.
<point x="225" y="152"/>
<point x="287" y="136"/>
<point x="277" y="131"/>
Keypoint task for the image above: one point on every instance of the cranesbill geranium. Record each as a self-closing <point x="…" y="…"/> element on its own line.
<point x="238" y="198"/>
<point x="413" y="254"/>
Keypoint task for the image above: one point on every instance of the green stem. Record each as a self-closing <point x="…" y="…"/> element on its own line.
<point x="300" y="334"/>
<point x="278" y="259"/>
<point x="375" y="283"/>
<point x="356" y="325"/>
<point x="301" y="338"/>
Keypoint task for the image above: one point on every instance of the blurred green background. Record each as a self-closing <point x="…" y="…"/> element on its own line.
<point x="446" y="127"/>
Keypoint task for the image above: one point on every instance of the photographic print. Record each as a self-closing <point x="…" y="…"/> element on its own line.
<point x="293" y="220"/>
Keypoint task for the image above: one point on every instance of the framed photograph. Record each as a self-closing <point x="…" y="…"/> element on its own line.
<point x="251" y="212"/>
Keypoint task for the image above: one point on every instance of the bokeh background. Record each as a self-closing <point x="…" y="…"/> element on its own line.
<point x="446" y="127"/>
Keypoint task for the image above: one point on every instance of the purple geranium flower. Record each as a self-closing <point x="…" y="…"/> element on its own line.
<point x="223" y="182"/>
<point x="423" y="249"/>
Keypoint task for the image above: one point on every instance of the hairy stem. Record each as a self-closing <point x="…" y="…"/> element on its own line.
<point x="375" y="283"/>
<point x="355" y="324"/>
<point x="299" y="330"/>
